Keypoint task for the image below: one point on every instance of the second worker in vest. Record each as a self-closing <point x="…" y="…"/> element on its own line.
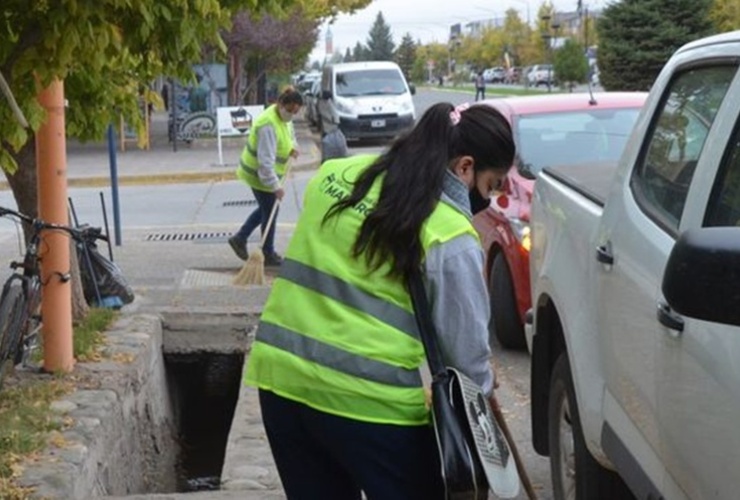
<point x="337" y="357"/>
<point x="264" y="160"/>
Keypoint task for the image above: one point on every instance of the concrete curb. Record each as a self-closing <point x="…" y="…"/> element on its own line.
<point x="310" y="162"/>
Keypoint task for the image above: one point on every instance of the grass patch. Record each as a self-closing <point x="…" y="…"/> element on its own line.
<point x="27" y="423"/>
<point x="88" y="334"/>
<point x="498" y="91"/>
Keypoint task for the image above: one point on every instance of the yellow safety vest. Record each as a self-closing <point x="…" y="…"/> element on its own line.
<point x="333" y="334"/>
<point x="248" y="164"/>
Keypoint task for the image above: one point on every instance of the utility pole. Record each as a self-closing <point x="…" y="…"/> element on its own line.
<point x="56" y="294"/>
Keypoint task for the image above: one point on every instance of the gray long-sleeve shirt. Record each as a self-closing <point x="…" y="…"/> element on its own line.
<point x="458" y="296"/>
<point x="266" y="154"/>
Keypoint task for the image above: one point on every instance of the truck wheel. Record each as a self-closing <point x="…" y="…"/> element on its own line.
<point x="505" y="323"/>
<point x="576" y="475"/>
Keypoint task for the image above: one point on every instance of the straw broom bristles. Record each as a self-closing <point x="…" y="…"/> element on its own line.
<point x="253" y="270"/>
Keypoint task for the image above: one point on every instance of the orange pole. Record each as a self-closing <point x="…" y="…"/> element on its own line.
<point x="56" y="297"/>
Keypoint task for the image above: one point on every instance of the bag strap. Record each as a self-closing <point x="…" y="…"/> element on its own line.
<point x="427" y="330"/>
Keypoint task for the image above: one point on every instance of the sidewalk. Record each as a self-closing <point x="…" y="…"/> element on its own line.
<point x="88" y="165"/>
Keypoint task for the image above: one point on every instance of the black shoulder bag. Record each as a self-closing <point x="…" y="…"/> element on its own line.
<point x="472" y="449"/>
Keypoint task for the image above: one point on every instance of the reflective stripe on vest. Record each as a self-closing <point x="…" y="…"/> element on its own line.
<point x="337" y="359"/>
<point x="344" y="292"/>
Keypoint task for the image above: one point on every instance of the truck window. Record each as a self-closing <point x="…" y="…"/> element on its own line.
<point x="724" y="203"/>
<point x="661" y="182"/>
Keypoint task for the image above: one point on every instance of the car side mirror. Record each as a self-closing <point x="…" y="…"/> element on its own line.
<point x="412" y="88"/>
<point x="326" y="94"/>
<point x="702" y="275"/>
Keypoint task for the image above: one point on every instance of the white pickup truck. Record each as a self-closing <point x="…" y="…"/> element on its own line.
<point x="636" y="298"/>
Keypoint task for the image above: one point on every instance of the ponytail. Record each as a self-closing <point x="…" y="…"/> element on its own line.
<point x="413" y="171"/>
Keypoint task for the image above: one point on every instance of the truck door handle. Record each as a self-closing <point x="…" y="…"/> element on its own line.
<point x="668" y="318"/>
<point x="604" y="254"/>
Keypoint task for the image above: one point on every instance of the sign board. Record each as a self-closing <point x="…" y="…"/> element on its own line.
<point x="234" y="121"/>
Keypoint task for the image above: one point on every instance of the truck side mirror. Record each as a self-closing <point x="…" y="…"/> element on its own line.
<point x="412" y="88"/>
<point x="702" y="275"/>
<point x="326" y="94"/>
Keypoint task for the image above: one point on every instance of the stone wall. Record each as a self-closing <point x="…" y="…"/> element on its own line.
<point x="119" y="434"/>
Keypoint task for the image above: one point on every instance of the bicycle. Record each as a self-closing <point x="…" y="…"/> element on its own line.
<point x="20" y="318"/>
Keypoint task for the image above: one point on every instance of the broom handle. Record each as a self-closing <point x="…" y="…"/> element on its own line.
<point x="269" y="222"/>
<point x="523" y="476"/>
<point x="271" y="219"/>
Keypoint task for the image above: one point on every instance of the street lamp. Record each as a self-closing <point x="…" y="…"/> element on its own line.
<point x="549" y="37"/>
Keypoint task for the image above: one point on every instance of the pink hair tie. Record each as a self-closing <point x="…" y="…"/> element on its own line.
<point x="456" y="114"/>
<point x="455" y="117"/>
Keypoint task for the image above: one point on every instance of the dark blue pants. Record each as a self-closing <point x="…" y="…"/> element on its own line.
<point x="324" y="457"/>
<point x="259" y="217"/>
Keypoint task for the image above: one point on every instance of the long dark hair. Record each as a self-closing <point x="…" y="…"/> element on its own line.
<point x="414" y="169"/>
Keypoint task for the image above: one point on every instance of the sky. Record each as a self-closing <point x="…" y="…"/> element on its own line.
<point x="427" y="20"/>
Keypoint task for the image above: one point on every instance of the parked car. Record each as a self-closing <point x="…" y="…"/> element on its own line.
<point x="306" y="81"/>
<point x="494" y="75"/>
<point x="512" y="75"/>
<point x="541" y="74"/>
<point x="549" y="130"/>
<point x="635" y="277"/>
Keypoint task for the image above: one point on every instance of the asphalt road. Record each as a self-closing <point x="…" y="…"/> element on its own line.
<point x="220" y="206"/>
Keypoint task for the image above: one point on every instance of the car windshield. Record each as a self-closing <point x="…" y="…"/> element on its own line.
<point x="572" y="137"/>
<point x="370" y="82"/>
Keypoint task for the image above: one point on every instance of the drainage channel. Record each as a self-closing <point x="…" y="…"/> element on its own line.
<point x="204" y="357"/>
<point x="204" y="388"/>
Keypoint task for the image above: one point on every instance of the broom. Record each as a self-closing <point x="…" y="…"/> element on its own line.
<point x="253" y="270"/>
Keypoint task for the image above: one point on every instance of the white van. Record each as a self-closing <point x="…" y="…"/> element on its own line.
<point x="366" y="100"/>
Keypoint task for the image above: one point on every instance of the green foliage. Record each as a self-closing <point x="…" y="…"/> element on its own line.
<point x="725" y="14"/>
<point x="570" y="64"/>
<point x="637" y="37"/>
<point x="88" y="334"/>
<point x="406" y="55"/>
<point x="380" y="41"/>
<point x="360" y="53"/>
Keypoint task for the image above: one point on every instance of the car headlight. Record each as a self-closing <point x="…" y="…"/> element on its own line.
<point x="522" y="233"/>
<point x="343" y="106"/>
<point x="407" y="107"/>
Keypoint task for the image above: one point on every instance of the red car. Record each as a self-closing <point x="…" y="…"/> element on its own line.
<point x="553" y="129"/>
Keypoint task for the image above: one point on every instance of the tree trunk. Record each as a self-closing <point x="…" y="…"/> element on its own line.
<point x="80" y="309"/>
<point x="23" y="184"/>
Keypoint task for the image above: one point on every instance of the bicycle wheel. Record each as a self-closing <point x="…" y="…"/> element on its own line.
<point x="12" y="309"/>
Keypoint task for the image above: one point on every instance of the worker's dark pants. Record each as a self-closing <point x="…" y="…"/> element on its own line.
<point x="260" y="217"/>
<point x="324" y="457"/>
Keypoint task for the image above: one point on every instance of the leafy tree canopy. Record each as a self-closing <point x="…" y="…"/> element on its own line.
<point x="637" y="37"/>
<point x="380" y="41"/>
<point x="406" y="55"/>
<point x="570" y="63"/>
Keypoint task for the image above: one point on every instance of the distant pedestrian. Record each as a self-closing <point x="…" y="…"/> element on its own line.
<point x="480" y="86"/>
<point x="337" y="355"/>
<point x="270" y="145"/>
<point x="441" y="80"/>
